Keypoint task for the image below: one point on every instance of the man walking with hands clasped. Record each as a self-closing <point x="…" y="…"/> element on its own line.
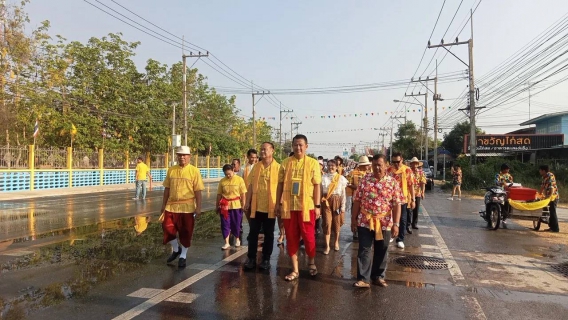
<point x="261" y="202"/>
<point x="375" y="215"/>
<point x="298" y="202"/>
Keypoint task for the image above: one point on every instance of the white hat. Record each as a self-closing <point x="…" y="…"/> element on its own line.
<point x="183" y="150"/>
<point x="414" y="159"/>
<point x="364" y="161"/>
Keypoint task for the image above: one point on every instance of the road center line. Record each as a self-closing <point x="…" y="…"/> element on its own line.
<point x="454" y="269"/>
<point x="137" y="310"/>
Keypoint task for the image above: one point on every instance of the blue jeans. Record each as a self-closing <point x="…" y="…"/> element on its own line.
<point x="404" y="223"/>
<point x="375" y="266"/>
<point x="141" y="188"/>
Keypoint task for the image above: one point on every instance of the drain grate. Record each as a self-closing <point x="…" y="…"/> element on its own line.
<point x="422" y="262"/>
<point x="562" y="268"/>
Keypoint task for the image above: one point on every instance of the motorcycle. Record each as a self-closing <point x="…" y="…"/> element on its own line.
<point x="496" y="207"/>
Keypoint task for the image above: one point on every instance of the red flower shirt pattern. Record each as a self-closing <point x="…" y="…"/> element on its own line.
<point x="376" y="197"/>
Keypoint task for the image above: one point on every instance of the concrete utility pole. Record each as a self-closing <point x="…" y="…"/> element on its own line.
<point x="261" y="93"/>
<point x="472" y="97"/>
<point x="437" y="97"/>
<point x="387" y="129"/>
<point x="297" y="125"/>
<point x="425" y="107"/>
<point x="280" y="135"/>
<point x="184" y="57"/>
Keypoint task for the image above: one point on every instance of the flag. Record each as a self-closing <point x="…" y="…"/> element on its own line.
<point x="73" y="130"/>
<point x="36" y="129"/>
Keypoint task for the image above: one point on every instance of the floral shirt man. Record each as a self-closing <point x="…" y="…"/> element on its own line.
<point x="419" y="180"/>
<point x="378" y="197"/>
<point x="503" y="179"/>
<point x="549" y="186"/>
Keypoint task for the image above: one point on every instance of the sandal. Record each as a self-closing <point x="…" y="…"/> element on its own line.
<point x="326" y="251"/>
<point x="336" y="248"/>
<point x="292" y="276"/>
<point x="361" y="284"/>
<point x="314" y="270"/>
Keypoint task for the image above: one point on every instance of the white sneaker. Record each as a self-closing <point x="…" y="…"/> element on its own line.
<point x="225" y="246"/>
<point x="459" y="199"/>
<point x="400" y="244"/>
<point x="391" y="240"/>
<point x="451" y="198"/>
<point x="134" y="198"/>
<point x="237" y="243"/>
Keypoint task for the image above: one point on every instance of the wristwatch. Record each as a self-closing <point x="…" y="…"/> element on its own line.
<point x="397" y="224"/>
<point x="318" y="206"/>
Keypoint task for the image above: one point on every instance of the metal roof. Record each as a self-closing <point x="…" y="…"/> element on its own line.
<point x="543" y="117"/>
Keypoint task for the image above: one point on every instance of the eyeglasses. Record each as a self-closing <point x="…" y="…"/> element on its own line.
<point x="396" y="161"/>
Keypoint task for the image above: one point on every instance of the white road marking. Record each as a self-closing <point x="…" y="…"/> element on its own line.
<point x="424" y="235"/>
<point x="182" y="297"/>
<point x="145" y="293"/>
<point x="421" y="226"/>
<point x="137" y="310"/>
<point x="454" y="268"/>
<point x="429" y="246"/>
<point x="433" y="255"/>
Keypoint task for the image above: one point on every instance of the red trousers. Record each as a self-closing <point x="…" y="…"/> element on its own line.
<point x="180" y="223"/>
<point x="295" y="228"/>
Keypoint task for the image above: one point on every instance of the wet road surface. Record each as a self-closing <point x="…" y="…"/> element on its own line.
<point x="107" y="270"/>
<point x="32" y="218"/>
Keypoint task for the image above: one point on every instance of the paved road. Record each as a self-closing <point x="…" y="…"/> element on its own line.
<point x="504" y="274"/>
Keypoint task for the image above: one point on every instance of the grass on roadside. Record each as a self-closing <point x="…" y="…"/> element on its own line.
<point x="207" y="226"/>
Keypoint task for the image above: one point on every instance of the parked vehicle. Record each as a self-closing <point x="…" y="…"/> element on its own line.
<point x="429" y="175"/>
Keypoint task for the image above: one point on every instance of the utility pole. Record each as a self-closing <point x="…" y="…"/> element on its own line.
<point x="472" y="91"/>
<point x="184" y="57"/>
<point x="382" y="145"/>
<point x="297" y="124"/>
<point x="425" y="107"/>
<point x="261" y="93"/>
<point x="387" y="129"/>
<point x="437" y="97"/>
<point x="280" y="135"/>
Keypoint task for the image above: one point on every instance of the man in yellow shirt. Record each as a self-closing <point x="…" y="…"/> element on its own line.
<point x="142" y="173"/>
<point x="231" y="195"/>
<point x="181" y="204"/>
<point x="261" y="200"/>
<point x="298" y="203"/>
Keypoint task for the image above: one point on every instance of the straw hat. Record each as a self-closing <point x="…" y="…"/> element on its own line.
<point x="183" y="150"/>
<point x="413" y="160"/>
<point x="364" y="161"/>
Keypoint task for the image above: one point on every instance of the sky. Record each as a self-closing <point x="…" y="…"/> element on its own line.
<point x="312" y="44"/>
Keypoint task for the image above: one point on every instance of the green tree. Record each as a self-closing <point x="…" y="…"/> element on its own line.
<point x="408" y="140"/>
<point x="453" y="140"/>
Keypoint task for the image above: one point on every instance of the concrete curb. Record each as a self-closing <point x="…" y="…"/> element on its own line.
<point x="18" y="195"/>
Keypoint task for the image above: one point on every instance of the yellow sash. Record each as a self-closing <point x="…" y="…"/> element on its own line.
<point x="402" y="171"/>
<point x="332" y="186"/>
<point x="375" y="223"/>
<point x="272" y="185"/>
<point x="286" y="194"/>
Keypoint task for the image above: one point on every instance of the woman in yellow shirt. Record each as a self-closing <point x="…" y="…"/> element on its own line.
<point x="231" y="195"/>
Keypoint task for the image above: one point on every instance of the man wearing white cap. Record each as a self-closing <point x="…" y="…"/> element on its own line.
<point x="354" y="177"/>
<point x="181" y="204"/>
